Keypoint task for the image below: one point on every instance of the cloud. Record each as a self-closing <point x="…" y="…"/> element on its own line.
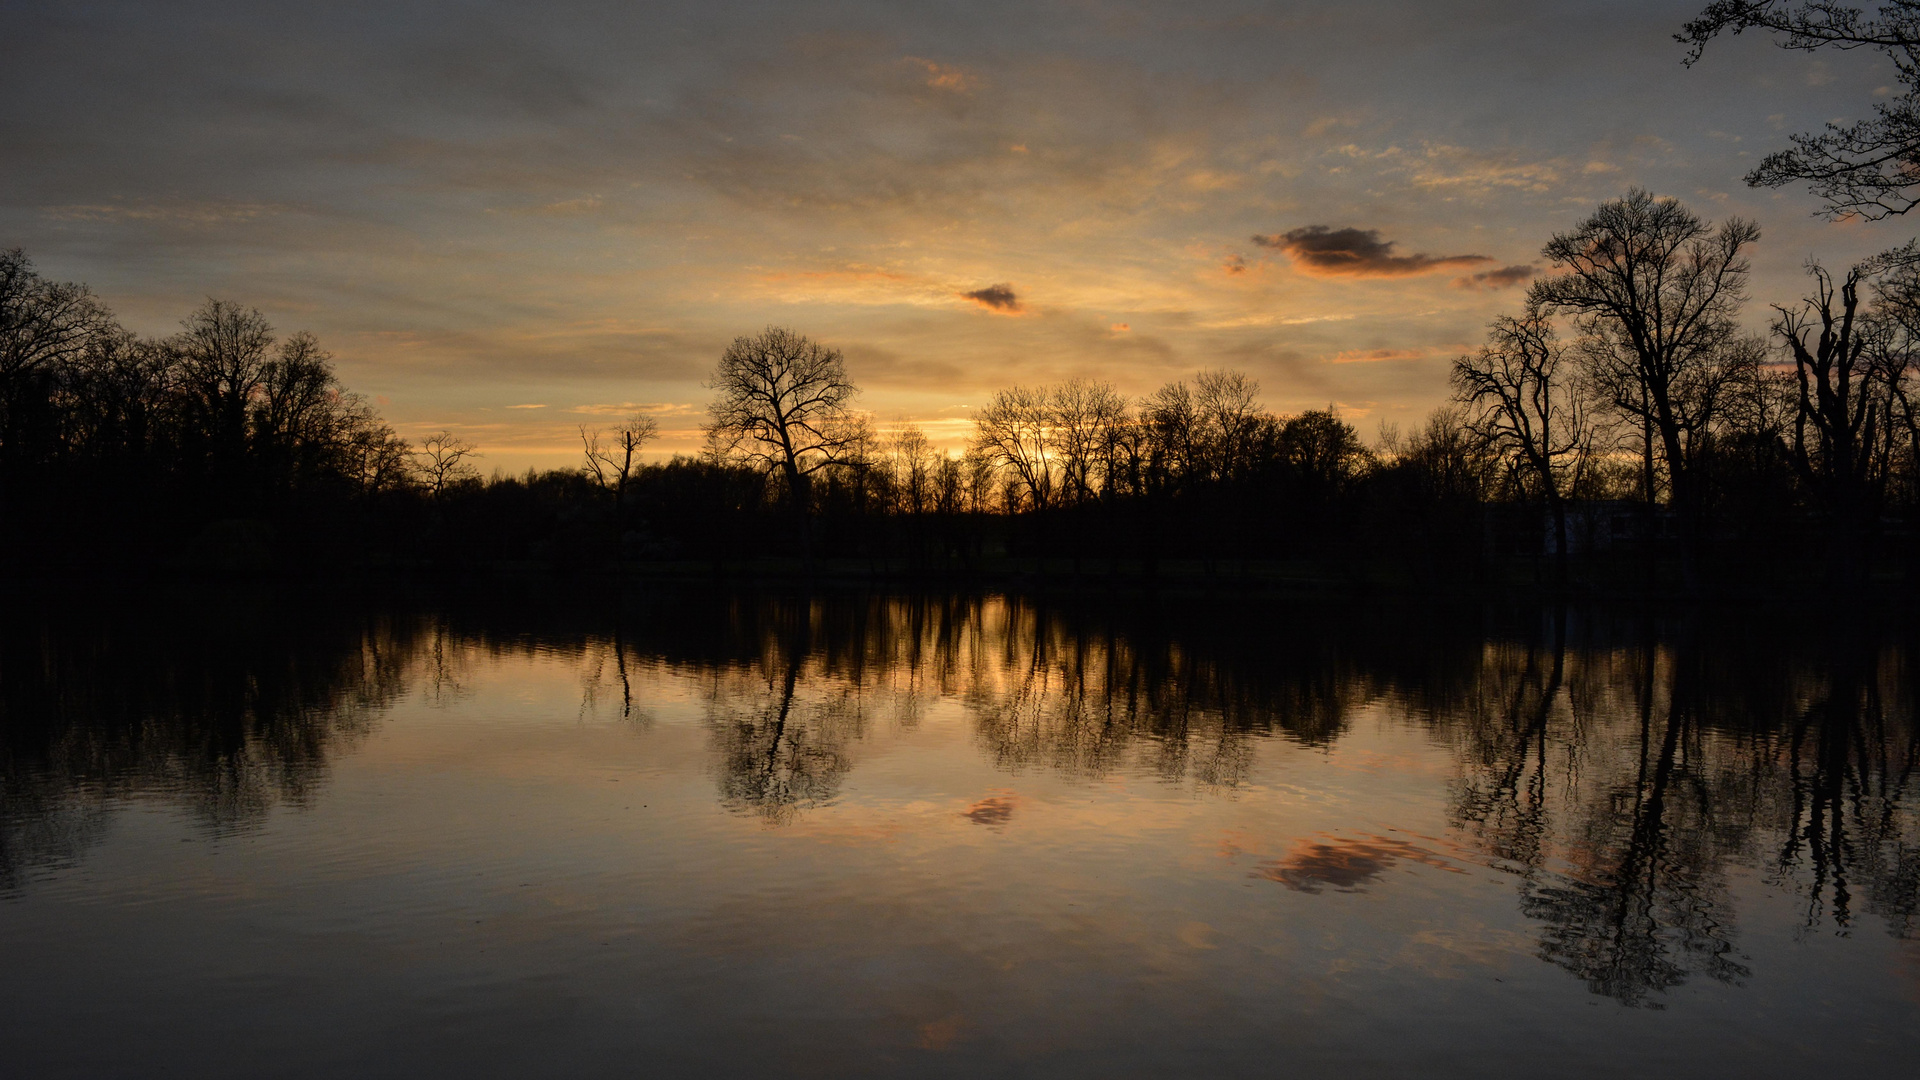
<point x="1497" y="279"/>
<point x="1483" y="172"/>
<point x="946" y="76"/>
<point x="630" y="408"/>
<point x="191" y="213"/>
<point x="586" y="204"/>
<point x="999" y="298"/>
<point x="1349" y="252"/>
<point x="1369" y="356"/>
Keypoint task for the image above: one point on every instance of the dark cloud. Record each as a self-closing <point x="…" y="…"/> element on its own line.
<point x="1319" y="249"/>
<point x="995" y="297"/>
<point x="1497" y="279"/>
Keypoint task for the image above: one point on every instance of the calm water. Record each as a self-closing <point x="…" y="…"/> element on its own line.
<point x="711" y="833"/>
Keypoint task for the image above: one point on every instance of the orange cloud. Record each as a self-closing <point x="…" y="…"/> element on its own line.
<point x="946" y="77"/>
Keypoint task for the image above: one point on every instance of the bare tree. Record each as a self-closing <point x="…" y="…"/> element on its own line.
<point x="614" y="457"/>
<point x="1083" y="419"/>
<point x="1654" y="291"/>
<point x="376" y="458"/>
<point x="1178" y="434"/>
<point x="1227" y="407"/>
<point x="42" y="324"/>
<point x="783" y="404"/>
<point x="1870" y="168"/>
<point x="224" y="352"/>
<point x="1897" y="296"/>
<point x="1847" y="381"/>
<point x="443" y="461"/>
<point x="1323" y="454"/>
<point x="978" y="475"/>
<point x="1524" y="408"/>
<point x="949" y="484"/>
<point x="296" y="413"/>
<point x="1447" y="457"/>
<point x="915" y="468"/>
<point x="1014" y="431"/>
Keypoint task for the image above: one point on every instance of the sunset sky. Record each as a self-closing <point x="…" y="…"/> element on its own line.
<point x="509" y="220"/>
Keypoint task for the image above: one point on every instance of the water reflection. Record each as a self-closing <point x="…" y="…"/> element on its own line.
<point x="1624" y="778"/>
<point x="225" y="710"/>
<point x="1346" y="863"/>
<point x="1627" y="772"/>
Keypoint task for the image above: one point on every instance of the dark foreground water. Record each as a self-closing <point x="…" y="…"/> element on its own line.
<point x="725" y="834"/>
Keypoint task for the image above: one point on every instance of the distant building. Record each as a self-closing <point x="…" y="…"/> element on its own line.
<point x="1602" y="525"/>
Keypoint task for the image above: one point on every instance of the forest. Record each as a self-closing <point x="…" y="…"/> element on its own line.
<point x="1622" y="426"/>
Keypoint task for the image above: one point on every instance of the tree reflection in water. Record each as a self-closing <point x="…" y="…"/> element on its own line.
<point x="225" y="709"/>
<point x="1624" y="777"/>
<point x="1627" y="771"/>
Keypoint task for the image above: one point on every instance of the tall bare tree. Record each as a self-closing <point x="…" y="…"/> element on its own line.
<point x="1227" y="407"/>
<point x="1083" y="418"/>
<point x="1849" y="367"/>
<point x="915" y="468"/>
<point x="1654" y="291"/>
<point x="296" y="414"/>
<point x="784" y="404"/>
<point x="1177" y="431"/>
<point x="1870" y="168"/>
<point x="43" y="324"/>
<point x="1525" y="407"/>
<point x="614" y="457"/>
<point x="224" y="352"/>
<point x="1015" y="432"/>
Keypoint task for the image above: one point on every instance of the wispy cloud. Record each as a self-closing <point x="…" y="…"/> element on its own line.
<point x="191" y="213"/>
<point x="946" y="76"/>
<point x="1501" y="278"/>
<point x="1374" y="356"/>
<point x="646" y="408"/>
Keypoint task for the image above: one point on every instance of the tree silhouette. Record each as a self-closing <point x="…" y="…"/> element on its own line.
<point x="1846" y="381"/>
<point x="444" y="461"/>
<point x="1527" y="409"/>
<point x="613" y="459"/>
<point x="1870" y="168"/>
<point x="1654" y="291"/>
<point x="784" y="404"/>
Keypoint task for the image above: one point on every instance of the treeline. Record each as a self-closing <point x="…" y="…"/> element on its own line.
<point x="1622" y="427"/>
<point x="117" y="445"/>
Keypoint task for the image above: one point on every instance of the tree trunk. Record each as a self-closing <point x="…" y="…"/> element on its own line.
<point x="797" y="485"/>
<point x="1559" y="506"/>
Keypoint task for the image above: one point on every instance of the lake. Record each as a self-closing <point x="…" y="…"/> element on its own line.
<point x="709" y="832"/>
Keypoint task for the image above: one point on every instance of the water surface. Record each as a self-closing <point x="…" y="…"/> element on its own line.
<point x="707" y="832"/>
